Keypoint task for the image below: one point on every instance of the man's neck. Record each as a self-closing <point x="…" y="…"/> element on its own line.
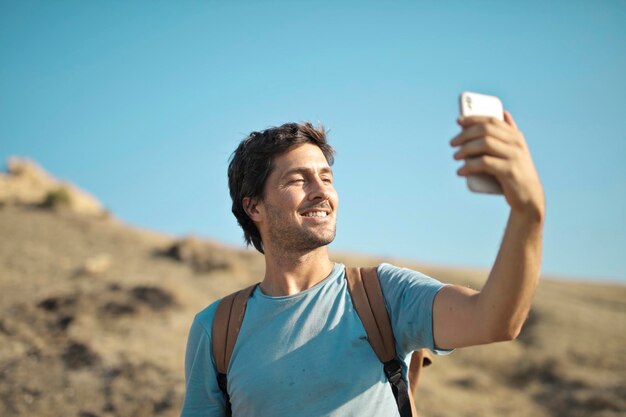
<point x="292" y="273"/>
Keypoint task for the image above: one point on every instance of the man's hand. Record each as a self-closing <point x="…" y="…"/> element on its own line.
<point x="496" y="147"/>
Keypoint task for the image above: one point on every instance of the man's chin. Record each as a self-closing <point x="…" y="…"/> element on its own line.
<point x="304" y="239"/>
<point x="319" y="240"/>
<point x="326" y="240"/>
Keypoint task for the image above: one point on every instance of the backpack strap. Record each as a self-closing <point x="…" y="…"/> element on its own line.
<point x="419" y="359"/>
<point x="226" y="326"/>
<point x="367" y="297"/>
<point x="368" y="301"/>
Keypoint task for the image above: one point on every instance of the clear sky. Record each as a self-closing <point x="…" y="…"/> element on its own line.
<point x="141" y="103"/>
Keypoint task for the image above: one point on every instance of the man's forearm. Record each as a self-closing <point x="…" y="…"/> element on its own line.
<point x="505" y="299"/>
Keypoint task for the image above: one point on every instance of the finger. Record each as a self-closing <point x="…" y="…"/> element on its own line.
<point x="485" y="164"/>
<point x="508" y="118"/>
<point x="481" y="131"/>
<point x="466" y="121"/>
<point x="483" y="146"/>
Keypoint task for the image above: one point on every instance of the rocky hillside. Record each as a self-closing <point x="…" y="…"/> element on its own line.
<point x="95" y="315"/>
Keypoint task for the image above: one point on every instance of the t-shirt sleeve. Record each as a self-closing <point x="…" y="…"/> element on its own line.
<point x="203" y="396"/>
<point x="409" y="297"/>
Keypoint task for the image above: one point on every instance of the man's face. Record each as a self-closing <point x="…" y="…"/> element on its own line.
<point x="299" y="211"/>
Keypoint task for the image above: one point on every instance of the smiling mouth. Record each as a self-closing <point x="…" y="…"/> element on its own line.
<point x="318" y="214"/>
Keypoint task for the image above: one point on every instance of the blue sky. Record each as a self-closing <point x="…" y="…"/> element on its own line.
<point x="142" y="103"/>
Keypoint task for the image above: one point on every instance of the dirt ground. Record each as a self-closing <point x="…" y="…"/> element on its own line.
<point x="95" y="315"/>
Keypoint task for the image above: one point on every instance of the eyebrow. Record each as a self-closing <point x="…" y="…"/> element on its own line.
<point x="302" y="170"/>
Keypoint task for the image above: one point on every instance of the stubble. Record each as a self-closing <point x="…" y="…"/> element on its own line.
<point x="293" y="237"/>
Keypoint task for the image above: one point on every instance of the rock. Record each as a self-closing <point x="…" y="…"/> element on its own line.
<point x="78" y="355"/>
<point x="96" y="265"/>
<point x="26" y="183"/>
<point x="201" y="256"/>
<point x="154" y="297"/>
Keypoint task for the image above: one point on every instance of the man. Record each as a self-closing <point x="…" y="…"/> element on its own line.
<point x="302" y="349"/>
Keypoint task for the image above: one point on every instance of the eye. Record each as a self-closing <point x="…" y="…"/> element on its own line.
<point x="327" y="180"/>
<point x="296" y="180"/>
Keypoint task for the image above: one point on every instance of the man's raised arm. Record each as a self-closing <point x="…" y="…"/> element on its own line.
<point x="464" y="317"/>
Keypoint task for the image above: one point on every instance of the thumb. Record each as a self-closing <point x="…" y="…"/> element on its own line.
<point x="509" y="119"/>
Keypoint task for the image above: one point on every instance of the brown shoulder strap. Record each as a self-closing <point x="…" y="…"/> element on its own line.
<point x="226" y="326"/>
<point x="369" y="304"/>
<point x="421" y="358"/>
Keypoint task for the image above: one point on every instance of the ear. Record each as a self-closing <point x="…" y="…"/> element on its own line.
<point x="251" y="207"/>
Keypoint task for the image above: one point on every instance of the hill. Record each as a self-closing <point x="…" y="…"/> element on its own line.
<point x="96" y="314"/>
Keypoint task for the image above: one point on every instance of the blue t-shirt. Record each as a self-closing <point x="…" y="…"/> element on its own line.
<point x="307" y="354"/>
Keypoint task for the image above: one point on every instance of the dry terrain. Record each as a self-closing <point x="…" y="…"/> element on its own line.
<point x="95" y="315"/>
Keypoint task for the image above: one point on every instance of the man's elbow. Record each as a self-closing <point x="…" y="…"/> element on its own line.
<point x="506" y="333"/>
<point x="512" y="333"/>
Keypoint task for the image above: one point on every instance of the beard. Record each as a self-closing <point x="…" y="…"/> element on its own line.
<point x="289" y="236"/>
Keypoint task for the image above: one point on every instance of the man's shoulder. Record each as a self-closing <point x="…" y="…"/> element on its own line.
<point x="205" y="316"/>
<point x="391" y="274"/>
<point x="387" y="269"/>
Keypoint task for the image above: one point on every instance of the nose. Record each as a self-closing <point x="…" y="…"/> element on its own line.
<point x="320" y="190"/>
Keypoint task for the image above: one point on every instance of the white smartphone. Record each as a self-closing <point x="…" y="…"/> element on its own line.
<point x="474" y="104"/>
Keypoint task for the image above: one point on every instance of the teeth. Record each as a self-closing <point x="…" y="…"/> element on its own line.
<point x="316" y="214"/>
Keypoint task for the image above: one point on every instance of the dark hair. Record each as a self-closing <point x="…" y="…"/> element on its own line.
<point x="253" y="160"/>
